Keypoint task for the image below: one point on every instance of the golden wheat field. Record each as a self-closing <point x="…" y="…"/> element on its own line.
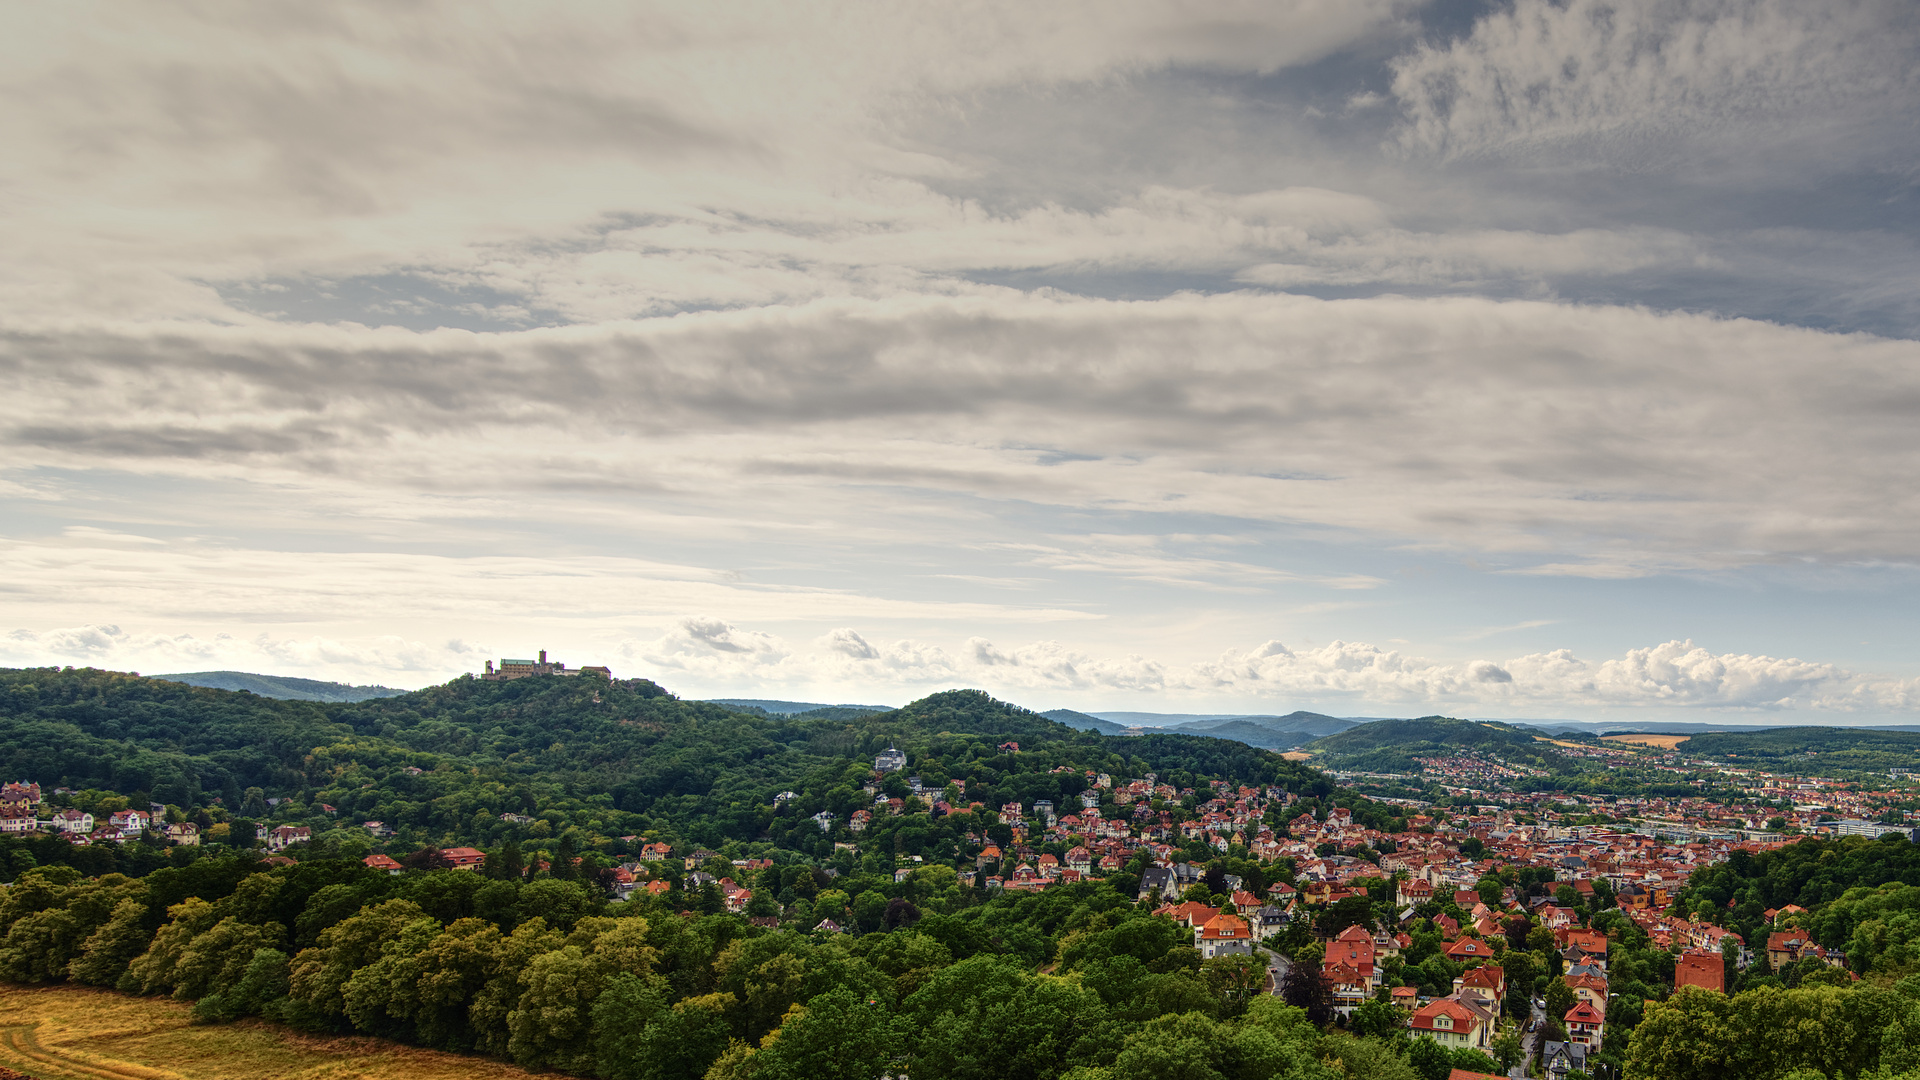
<point x="72" y="1033"/>
<point x="1663" y="742"/>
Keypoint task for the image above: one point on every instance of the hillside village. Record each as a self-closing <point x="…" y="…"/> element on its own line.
<point x="1433" y="877"/>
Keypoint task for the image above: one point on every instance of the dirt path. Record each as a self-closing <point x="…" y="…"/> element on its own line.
<point x="55" y="1062"/>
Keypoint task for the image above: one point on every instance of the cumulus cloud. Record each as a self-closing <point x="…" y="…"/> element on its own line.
<point x="76" y="641"/>
<point x="710" y="649"/>
<point x="1672" y="674"/>
<point x="848" y="642"/>
<point x="706" y="655"/>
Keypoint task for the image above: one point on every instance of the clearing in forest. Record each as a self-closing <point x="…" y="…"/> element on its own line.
<point x="76" y="1033"/>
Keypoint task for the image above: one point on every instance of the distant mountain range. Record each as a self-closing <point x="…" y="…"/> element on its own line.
<point x="1085" y="722"/>
<point x="284" y="687"/>
<point x="1267" y="732"/>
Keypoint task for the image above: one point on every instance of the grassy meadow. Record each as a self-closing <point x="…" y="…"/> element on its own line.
<point x="71" y="1033"/>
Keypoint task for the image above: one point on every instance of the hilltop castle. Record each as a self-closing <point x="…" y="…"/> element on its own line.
<point x="520" y="669"/>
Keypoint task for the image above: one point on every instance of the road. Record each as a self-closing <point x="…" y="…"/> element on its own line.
<point x="1529" y="1042"/>
<point x="1277" y="967"/>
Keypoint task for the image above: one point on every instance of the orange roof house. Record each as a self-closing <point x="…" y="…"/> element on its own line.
<point x="1191" y="914"/>
<point x="1450" y="1021"/>
<point x="463" y="858"/>
<point x="1584" y="1024"/>
<point x="1698" y="967"/>
<point x="1591" y="942"/>
<point x="1469" y="949"/>
<point x="1485" y="986"/>
<point x="1226" y="935"/>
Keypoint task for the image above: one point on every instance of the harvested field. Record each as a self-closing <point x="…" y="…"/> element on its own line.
<point x="1663" y="742"/>
<point x="1296" y="755"/>
<point x="74" y="1033"/>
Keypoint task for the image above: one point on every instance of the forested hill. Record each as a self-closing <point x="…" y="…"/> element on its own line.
<point x="1812" y="750"/>
<point x="282" y="686"/>
<point x="1392" y="745"/>
<point x="573" y="756"/>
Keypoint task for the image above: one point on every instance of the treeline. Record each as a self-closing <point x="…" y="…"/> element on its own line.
<point x="1807" y="873"/>
<point x="1815" y="1033"/>
<point x="1832" y="750"/>
<point x="1074" y="982"/>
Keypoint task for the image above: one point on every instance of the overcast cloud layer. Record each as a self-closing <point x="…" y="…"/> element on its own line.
<point x="1533" y="359"/>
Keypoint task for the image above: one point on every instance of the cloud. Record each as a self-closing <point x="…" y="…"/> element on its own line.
<point x="834" y="310"/>
<point x="706" y="655"/>
<point x="1610" y="73"/>
<point x="443" y="140"/>
<point x="1674" y="674"/>
<point x="73" y="641"/>
<point x="1558" y="439"/>
<point x="848" y="642"/>
<point x="381" y="656"/>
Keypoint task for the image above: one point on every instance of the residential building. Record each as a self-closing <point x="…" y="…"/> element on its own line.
<point x="72" y="821"/>
<point x="1354" y="947"/>
<point x="20" y="793"/>
<point x="1349" y="986"/>
<point x="1559" y="1059"/>
<point x="1585" y="1025"/>
<point x="1485" y="986"/>
<point x="1453" y="1022"/>
<point x="129" y="823"/>
<point x="1790" y="945"/>
<point x="1225" y="935"/>
<point x="282" y="837"/>
<point x="464" y="858"/>
<point x="1697" y="967"/>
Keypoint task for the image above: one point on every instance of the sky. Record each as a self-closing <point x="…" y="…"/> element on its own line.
<point x="1373" y="357"/>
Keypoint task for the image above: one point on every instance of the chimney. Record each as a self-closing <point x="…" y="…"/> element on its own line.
<point x="543" y="656"/>
<point x="489" y="667"/>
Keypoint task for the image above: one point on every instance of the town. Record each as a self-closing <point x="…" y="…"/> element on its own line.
<point x="1493" y="906"/>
